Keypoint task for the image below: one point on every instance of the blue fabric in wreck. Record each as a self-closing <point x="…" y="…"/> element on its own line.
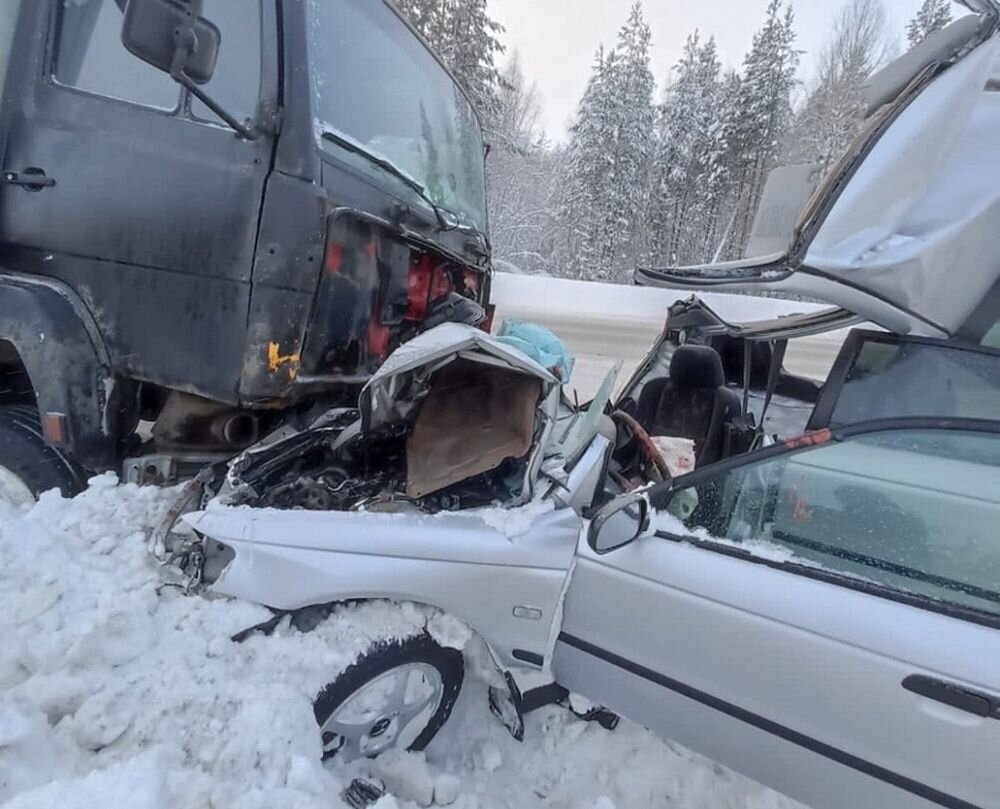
<point x="538" y="343"/>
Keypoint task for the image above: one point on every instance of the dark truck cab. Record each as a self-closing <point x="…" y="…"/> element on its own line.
<point x="215" y="217"/>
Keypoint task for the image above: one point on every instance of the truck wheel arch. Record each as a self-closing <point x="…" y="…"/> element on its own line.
<point x="52" y="339"/>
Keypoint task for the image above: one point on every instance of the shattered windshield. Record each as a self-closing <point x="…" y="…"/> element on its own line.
<point x="378" y="88"/>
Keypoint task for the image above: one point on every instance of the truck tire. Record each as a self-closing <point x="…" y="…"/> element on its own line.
<point x="28" y="464"/>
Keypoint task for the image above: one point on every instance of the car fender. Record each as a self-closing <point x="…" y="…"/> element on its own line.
<point x="507" y="588"/>
<point x="60" y="346"/>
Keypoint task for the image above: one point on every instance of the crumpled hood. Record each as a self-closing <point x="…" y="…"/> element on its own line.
<point x="399" y="385"/>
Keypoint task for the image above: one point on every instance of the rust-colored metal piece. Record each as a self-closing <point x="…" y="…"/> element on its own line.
<point x="54" y="429"/>
<point x="814" y="439"/>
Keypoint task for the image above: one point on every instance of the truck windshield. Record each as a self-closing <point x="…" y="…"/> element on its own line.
<point x="376" y="85"/>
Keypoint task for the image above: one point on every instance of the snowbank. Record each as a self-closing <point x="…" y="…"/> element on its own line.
<point x="117" y="690"/>
<point x="571" y="300"/>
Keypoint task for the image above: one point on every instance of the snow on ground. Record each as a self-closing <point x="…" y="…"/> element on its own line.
<point x="571" y="299"/>
<point x="118" y="690"/>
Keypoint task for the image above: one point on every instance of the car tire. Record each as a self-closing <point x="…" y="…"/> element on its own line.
<point x="426" y="667"/>
<point x="28" y="463"/>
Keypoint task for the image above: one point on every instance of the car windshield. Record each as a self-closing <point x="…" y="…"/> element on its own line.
<point x="378" y="88"/>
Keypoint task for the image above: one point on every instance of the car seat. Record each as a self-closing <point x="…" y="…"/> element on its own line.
<point x="693" y="402"/>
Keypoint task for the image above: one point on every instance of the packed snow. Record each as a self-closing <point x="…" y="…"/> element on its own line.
<point x="116" y="688"/>
<point x="585" y="300"/>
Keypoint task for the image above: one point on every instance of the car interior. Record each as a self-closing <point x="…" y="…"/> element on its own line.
<point x="727" y="395"/>
<point x="693" y="402"/>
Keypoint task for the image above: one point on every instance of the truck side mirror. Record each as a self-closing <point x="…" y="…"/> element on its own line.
<point x="172" y="36"/>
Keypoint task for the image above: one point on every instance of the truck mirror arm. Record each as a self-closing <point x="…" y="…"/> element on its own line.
<point x="248" y="133"/>
<point x="186" y="43"/>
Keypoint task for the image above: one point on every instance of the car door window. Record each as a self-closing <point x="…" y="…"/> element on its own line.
<point x="235" y="85"/>
<point x="913" y="511"/>
<point x="992" y="338"/>
<point x="89" y="55"/>
<point x="8" y="19"/>
<point x="888" y="379"/>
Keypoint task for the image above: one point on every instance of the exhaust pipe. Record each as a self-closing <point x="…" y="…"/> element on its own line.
<point x="238" y="431"/>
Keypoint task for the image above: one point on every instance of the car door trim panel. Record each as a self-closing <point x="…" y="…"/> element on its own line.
<point x="769" y="726"/>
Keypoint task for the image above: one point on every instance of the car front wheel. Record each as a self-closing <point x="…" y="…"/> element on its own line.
<point x="398" y="694"/>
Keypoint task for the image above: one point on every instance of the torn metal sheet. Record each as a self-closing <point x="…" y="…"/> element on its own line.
<point x="474" y="418"/>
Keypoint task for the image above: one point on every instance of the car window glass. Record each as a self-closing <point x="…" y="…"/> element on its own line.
<point x="901" y="380"/>
<point x="235" y="85"/>
<point x="377" y="86"/>
<point x="585" y="424"/>
<point x="89" y="55"/>
<point x="8" y="19"/>
<point x="911" y="510"/>
<point x="992" y="338"/>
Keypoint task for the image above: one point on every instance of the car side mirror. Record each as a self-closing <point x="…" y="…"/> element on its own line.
<point x="172" y="36"/>
<point x="619" y="523"/>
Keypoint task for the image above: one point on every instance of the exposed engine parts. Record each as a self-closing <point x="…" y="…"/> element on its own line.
<point x="360" y="474"/>
<point x="455" y="420"/>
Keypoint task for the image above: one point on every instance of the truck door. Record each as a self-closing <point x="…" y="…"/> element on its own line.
<point x="823" y="619"/>
<point x="9" y="10"/>
<point x="141" y="200"/>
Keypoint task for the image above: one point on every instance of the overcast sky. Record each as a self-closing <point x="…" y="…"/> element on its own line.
<point x="557" y="39"/>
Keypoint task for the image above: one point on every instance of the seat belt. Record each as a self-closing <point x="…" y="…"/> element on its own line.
<point x="778" y="349"/>
<point x="747" y="368"/>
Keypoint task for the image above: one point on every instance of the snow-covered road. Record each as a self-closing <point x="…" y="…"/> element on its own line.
<point x="603" y="324"/>
<point x="117" y="689"/>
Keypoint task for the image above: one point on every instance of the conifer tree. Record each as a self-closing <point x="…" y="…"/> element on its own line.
<point x="932" y="16"/>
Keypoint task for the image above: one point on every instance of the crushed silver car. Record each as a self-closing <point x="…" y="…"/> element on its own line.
<point x="801" y="581"/>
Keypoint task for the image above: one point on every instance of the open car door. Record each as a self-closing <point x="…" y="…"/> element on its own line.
<point x="902" y="231"/>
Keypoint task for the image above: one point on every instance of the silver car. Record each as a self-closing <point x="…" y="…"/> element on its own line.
<point x="815" y="604"/>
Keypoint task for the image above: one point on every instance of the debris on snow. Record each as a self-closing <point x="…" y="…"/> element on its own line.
<point x="407" y="776"/>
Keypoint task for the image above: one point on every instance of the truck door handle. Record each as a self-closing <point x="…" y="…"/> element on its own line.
<point x="954" y="695"/>
<point x="32" y="178"/>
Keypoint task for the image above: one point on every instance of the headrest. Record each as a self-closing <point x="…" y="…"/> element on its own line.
<point x="695" y="366"/>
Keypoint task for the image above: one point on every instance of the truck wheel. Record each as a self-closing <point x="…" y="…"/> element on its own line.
<point x="397" y="694"/>
<point x="29" y="465"/>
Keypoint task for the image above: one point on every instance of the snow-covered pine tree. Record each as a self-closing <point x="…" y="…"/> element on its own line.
<point x="685" y="171"/>
<point x="608" y="158"/>
<point x="632" y="86"/>
<point x="762" y="115"/>
<point x="728" y="166"/>
<point x="673" y="141"/>
<point x="521" y="178"/>
<point x="932" y="16"/>
<point x="587" y="167"/>
<point x="831" y="117"/>
<point x="467" y="40"/>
